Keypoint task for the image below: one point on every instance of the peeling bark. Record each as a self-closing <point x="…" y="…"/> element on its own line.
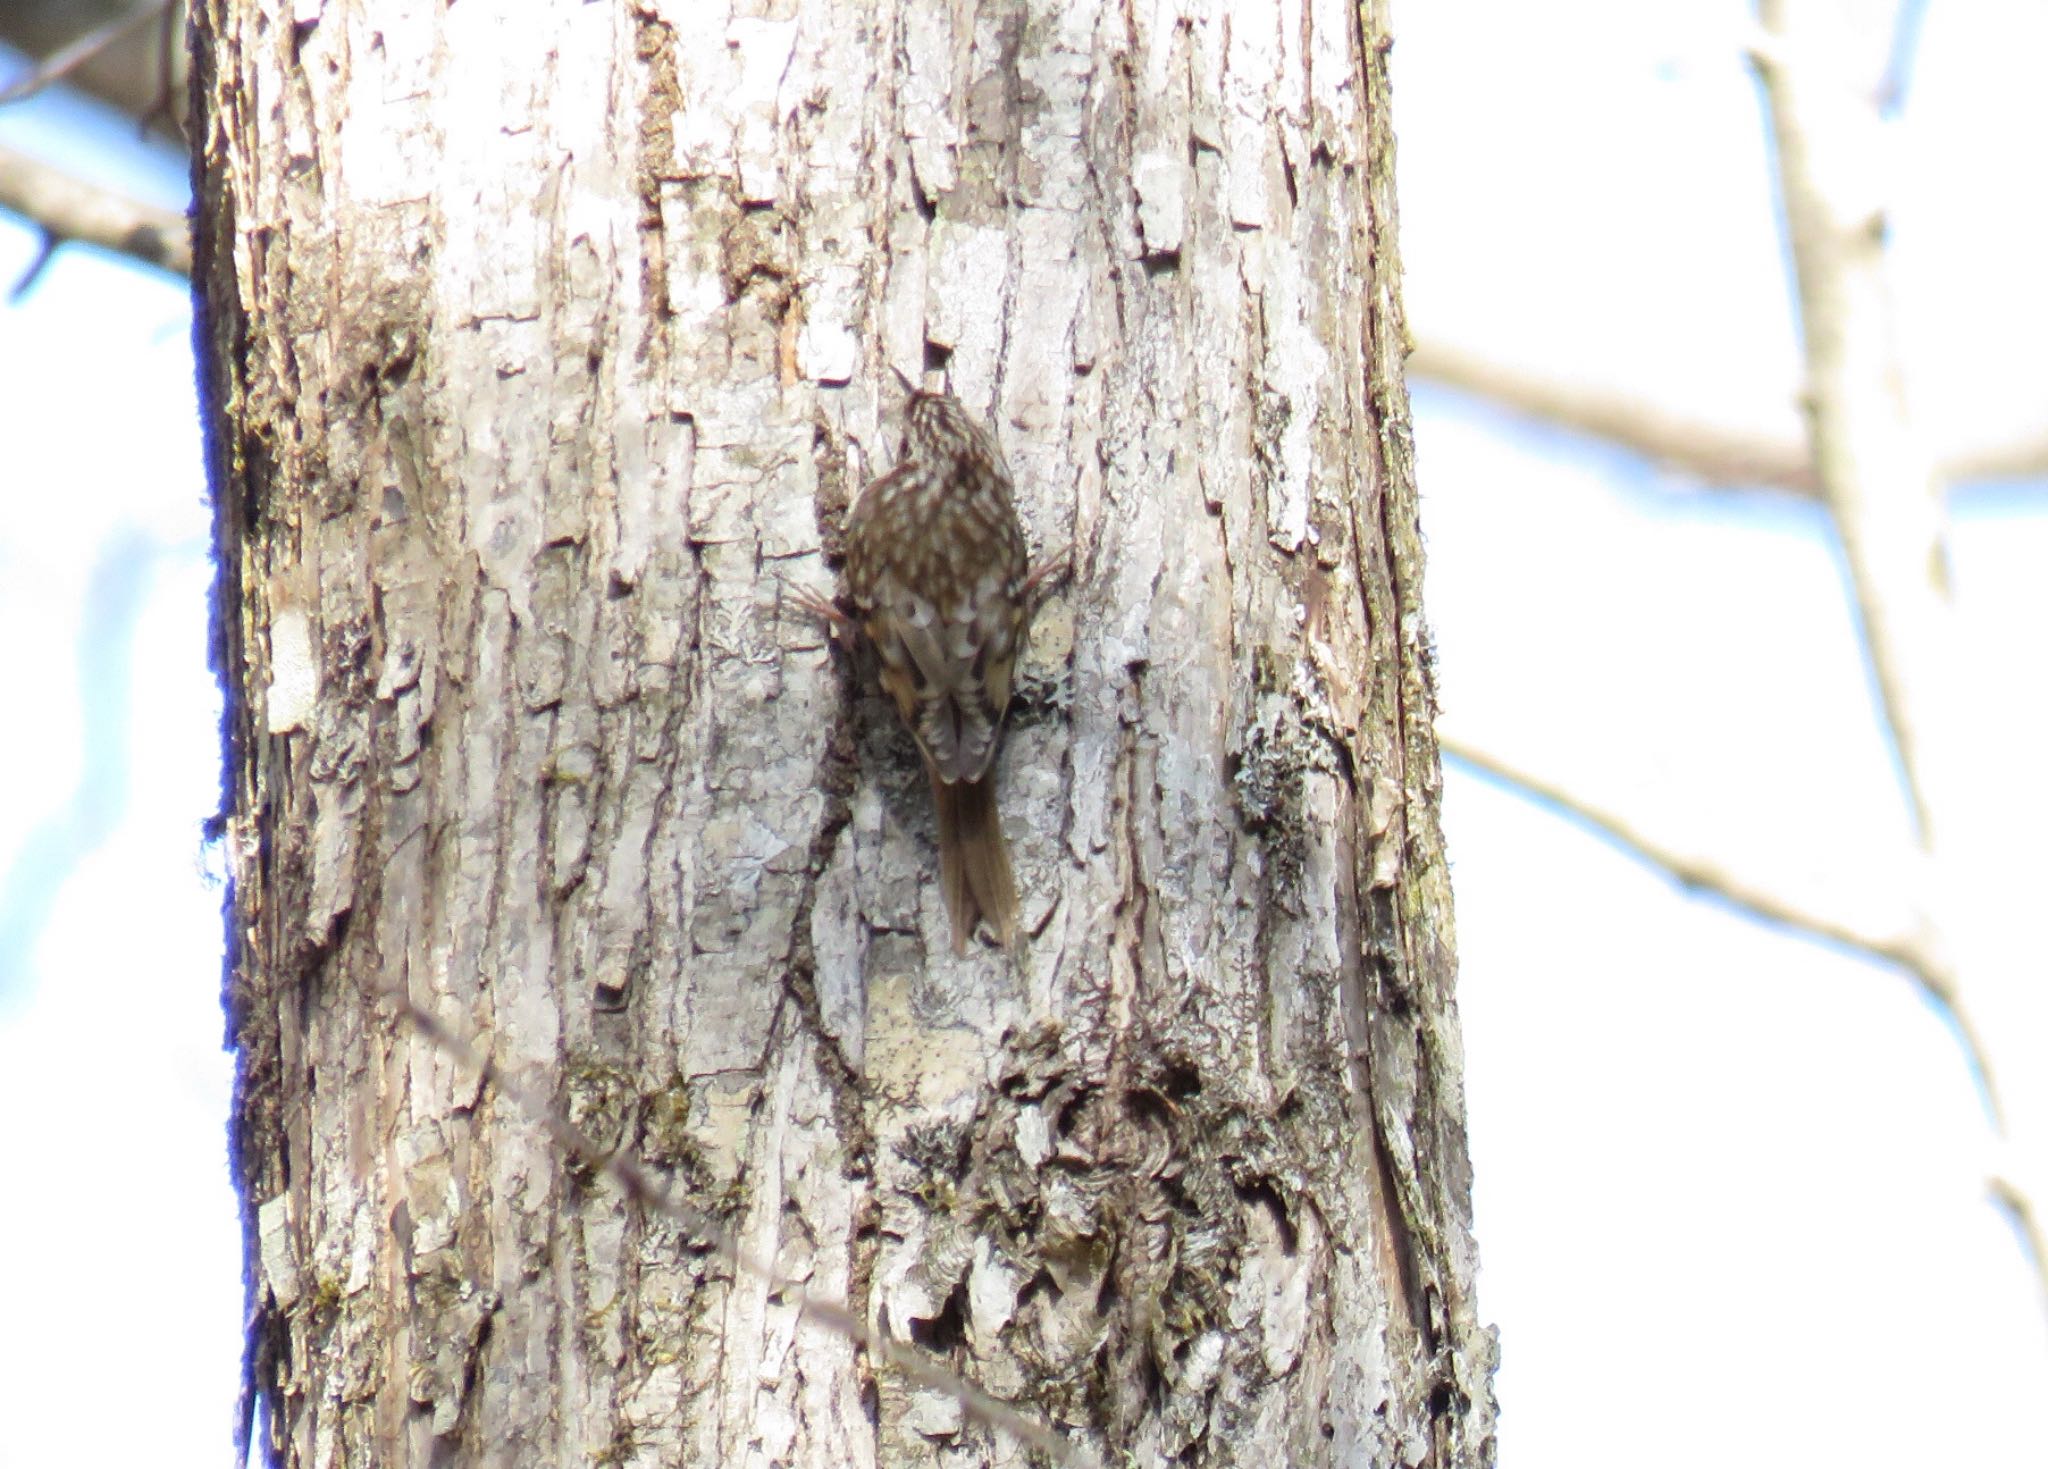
<point x="543" y="347"/>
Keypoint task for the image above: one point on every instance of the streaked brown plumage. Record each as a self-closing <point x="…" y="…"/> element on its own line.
<point x="936" y="569"/>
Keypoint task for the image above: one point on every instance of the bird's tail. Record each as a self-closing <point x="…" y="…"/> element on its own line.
<point x="974" y="863"/>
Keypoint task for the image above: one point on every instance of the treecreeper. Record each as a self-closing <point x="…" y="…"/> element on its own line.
<point x="937" y="575"/>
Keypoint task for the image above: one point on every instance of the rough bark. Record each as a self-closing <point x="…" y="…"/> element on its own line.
<point x="543" y="347"/>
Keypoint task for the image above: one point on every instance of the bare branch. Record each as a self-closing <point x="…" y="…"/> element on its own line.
<point x="1876" y="475"/>
<point x="2020" y="457"/>
<point x="1707" y="451"/>
<point x="1875" y="472"/>
<point x="69" y="209"/>
<point x="650" y="1193"/>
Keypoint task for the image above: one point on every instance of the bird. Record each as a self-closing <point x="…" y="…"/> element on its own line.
<point x="937" y="574"/>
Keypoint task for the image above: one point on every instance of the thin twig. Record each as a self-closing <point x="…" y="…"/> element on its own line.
<point x="2015" y="1200"/>
<point x="1917" y="952"/>
<point x="46" y="251"/>
<point x="70" y="209"/>
<point x="165" y="105"/>
<point x="650" y="1193"/>
<point x="67" y="59"/>
<point x="1692" y="870"/>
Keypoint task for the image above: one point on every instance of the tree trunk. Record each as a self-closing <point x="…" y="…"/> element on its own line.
<point x="544" y="346"/>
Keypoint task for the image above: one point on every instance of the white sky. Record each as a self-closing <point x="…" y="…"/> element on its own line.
<point x="1730" y="1184"/>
